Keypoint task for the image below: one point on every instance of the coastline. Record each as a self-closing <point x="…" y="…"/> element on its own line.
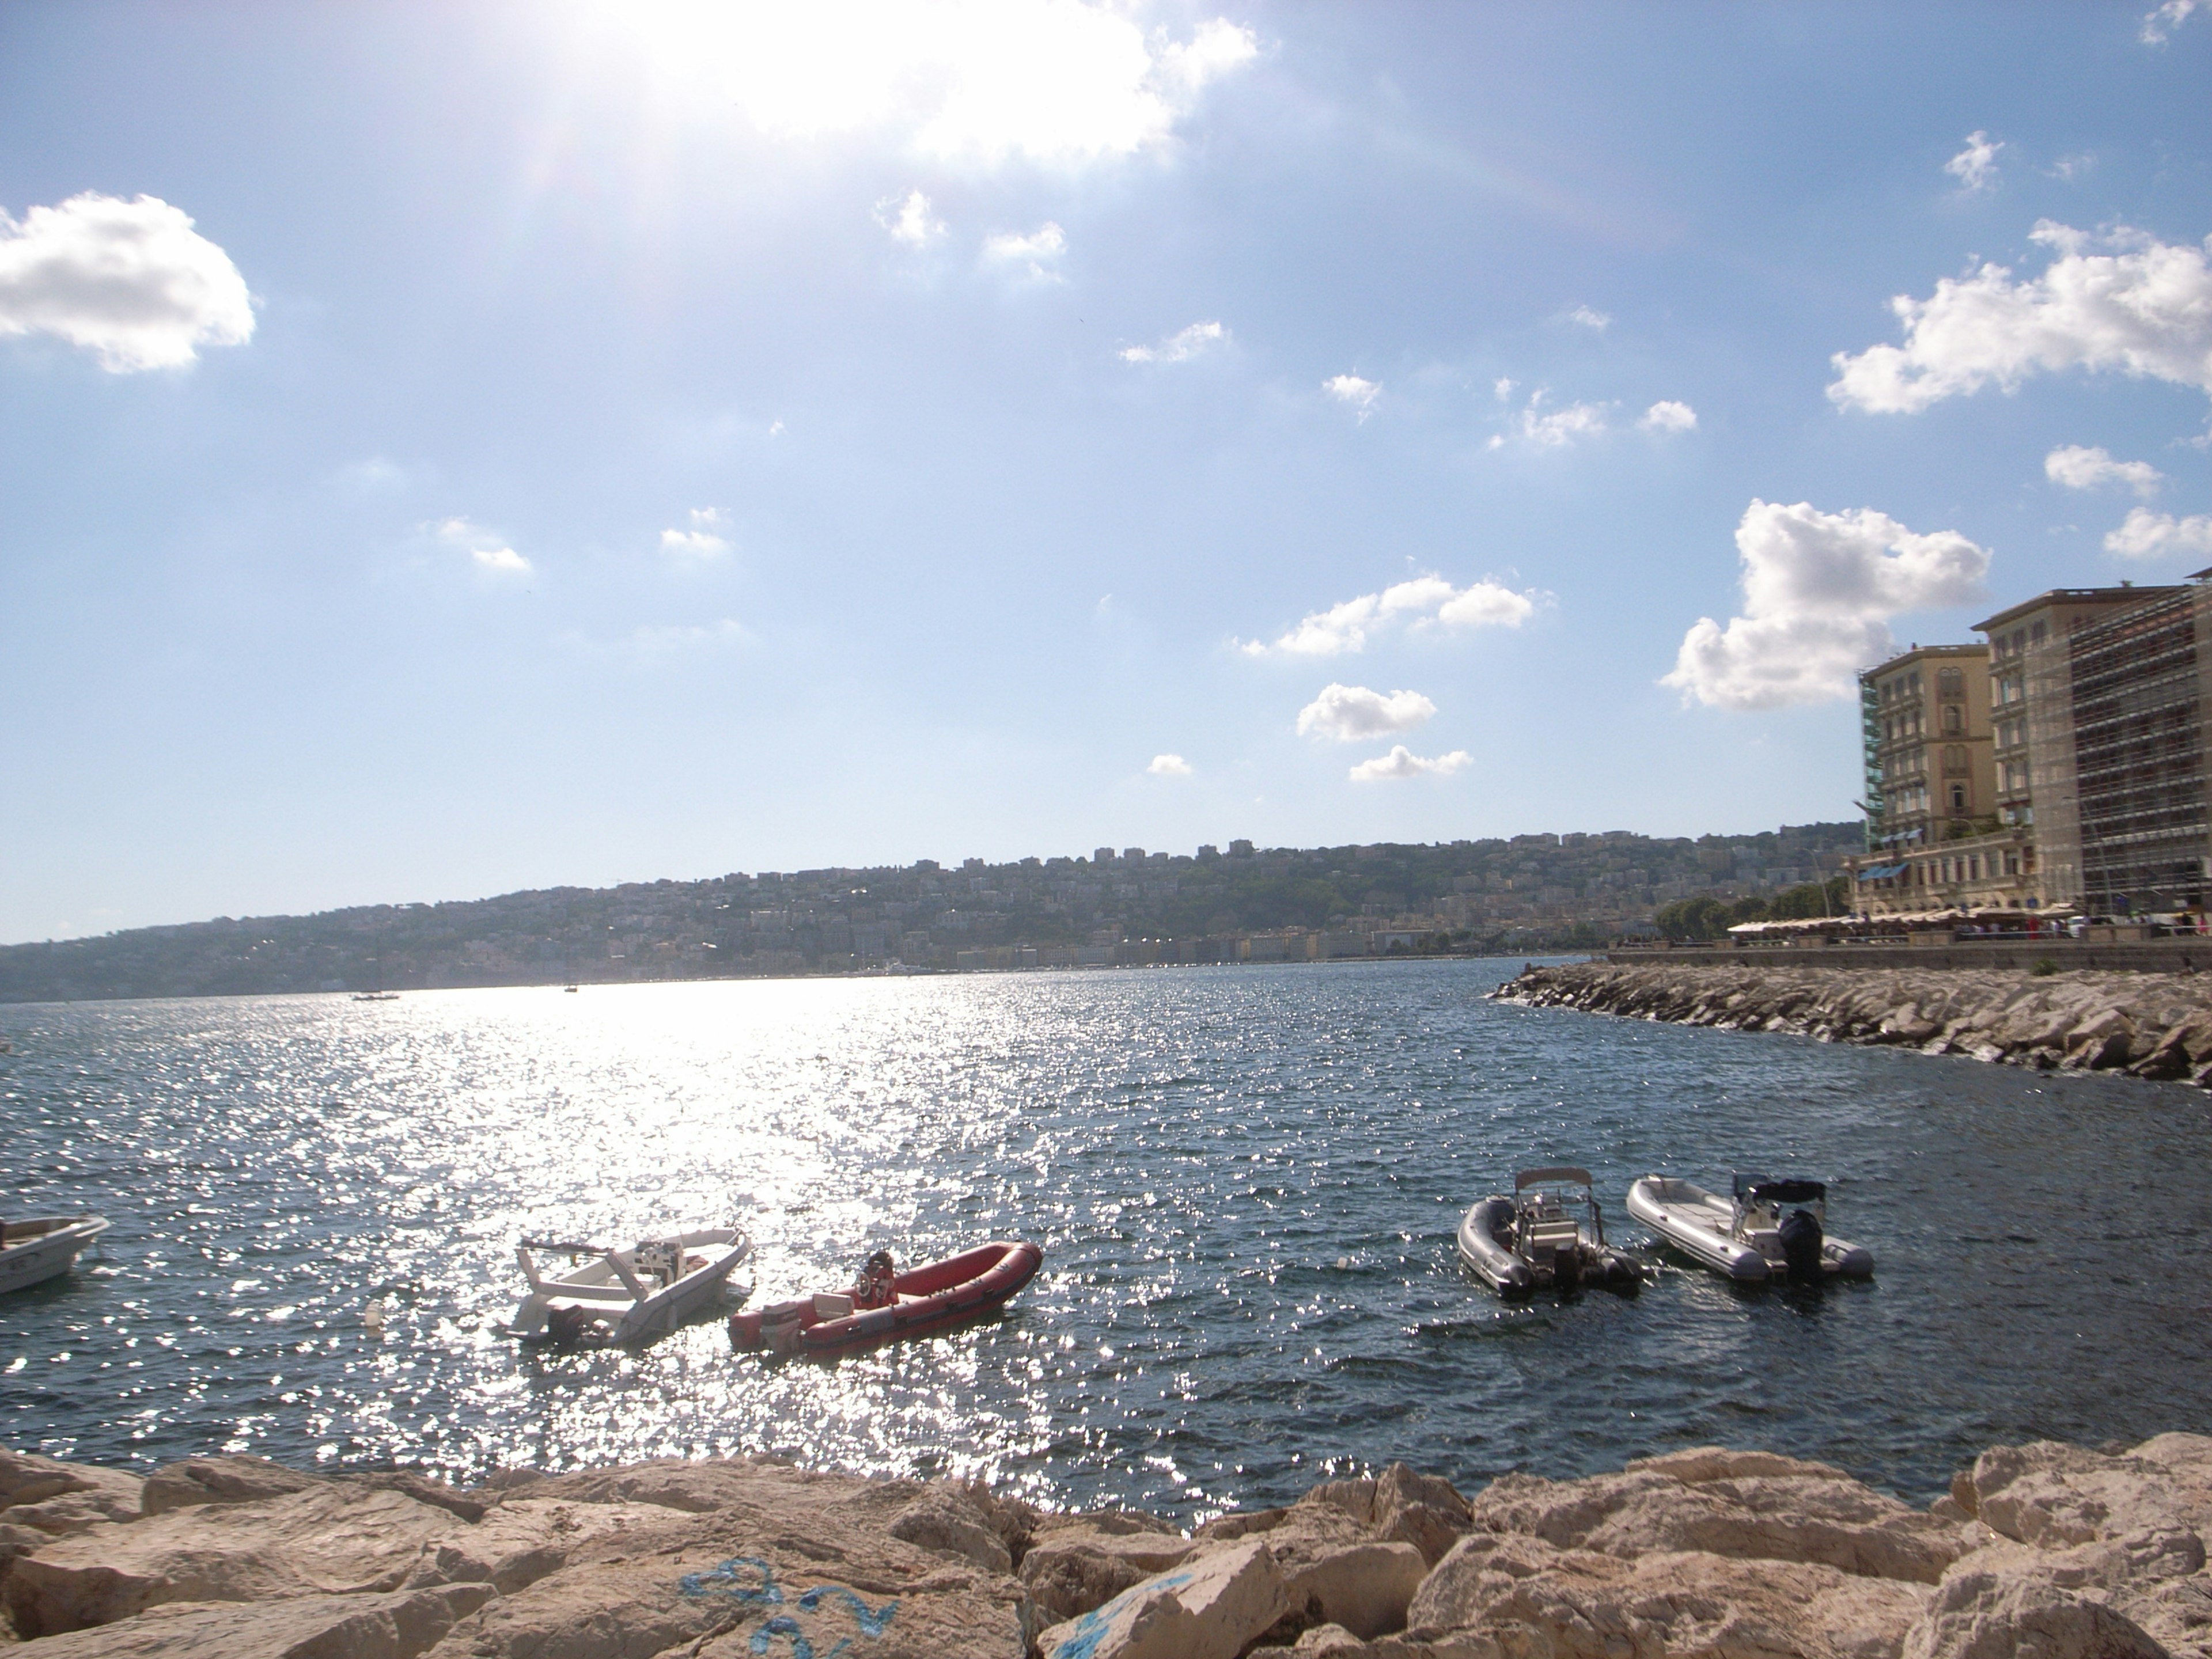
<point x="2057" y="1549"/>
<point x="2156" y="1026"/>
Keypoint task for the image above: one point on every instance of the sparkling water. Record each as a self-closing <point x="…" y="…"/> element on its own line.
<point x="1245" y="1180"/>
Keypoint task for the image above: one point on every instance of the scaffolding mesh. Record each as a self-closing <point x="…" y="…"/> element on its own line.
<point x="2139" y="756"/>
<point x="1877" y="808"/>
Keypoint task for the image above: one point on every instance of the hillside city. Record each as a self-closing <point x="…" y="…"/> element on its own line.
<point x="1122" y="907"/>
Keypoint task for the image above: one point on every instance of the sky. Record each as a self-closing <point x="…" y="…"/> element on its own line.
<point x="451" y="448"/>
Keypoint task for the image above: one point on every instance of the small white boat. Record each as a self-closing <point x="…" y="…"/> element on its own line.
<point x="1747" y="1236"/>
<point x="44" y="1247"/>
<point x="625" y="1296"/>
<point x="1535" y="1239"/>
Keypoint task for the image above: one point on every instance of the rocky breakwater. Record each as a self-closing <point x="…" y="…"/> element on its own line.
<point x="2043" y="1549"/>
<point x="2150" y="1025"/>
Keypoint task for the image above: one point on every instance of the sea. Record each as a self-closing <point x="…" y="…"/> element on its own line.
<point x="1245" y="1180"/>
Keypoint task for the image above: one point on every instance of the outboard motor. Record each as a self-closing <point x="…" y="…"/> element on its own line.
<point x="1567" y="1267"/>
<point x="1801" y="1244"/>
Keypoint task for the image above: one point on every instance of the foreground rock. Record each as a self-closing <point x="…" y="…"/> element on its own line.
<point x="2148" y="1025"/>
<point x="2044" y="1549"/>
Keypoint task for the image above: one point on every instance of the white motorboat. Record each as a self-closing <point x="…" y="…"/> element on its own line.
<point x="613" y="1295"/>
<point x="44" y="1247"/>
<point x="1747" y="1236"/>
<point x="1536" y="1239"/>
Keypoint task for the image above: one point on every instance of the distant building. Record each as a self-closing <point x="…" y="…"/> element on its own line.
<point x="2096" y="794"/>
<point x="2031" y="688"/>
<point x="1103" y="855"/>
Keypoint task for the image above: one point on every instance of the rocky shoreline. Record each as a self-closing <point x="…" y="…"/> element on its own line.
<point x="2147" y="1025"/>
<point x="2045" y="1549"/>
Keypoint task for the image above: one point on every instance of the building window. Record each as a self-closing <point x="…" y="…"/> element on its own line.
<point x="1954" y="720"/>
<point x="2037" y="633"/>
<point x="1950" y="683"/>
<point x="1958" y="799"/>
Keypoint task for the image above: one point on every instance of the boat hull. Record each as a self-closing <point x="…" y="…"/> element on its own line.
<point x="1509" y="1272"/>
<point x="595" y="1303"/>
<point x="1697" y="1223"/>
<point x="934" y="1297"/>
<point x="43" y="1247"/>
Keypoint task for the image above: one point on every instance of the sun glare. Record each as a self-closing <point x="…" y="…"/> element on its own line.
<point x="1052" y="81"/>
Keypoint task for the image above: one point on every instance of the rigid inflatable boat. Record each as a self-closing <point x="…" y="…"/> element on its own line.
<point x="1535" y="1239"/>
<point x="925" y="1300"/>
<point x="1747" y="1236"/>
<point x="40" y="1247"/>
<point x="624" y="1296"/>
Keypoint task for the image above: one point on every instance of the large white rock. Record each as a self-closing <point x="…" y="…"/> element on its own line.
<point x="222" y="1480"/>
<point x="2013" y="1609"/>
<point x="326" y="1539"/>
<point x="49" y="1495"/>
<point x="1212" y="1607"/>
<point x="1739" y="1504"/>
<point x="1085" y="1561"/>
<point x="397" y="1626"/>
<point x="1529" y="1598"/>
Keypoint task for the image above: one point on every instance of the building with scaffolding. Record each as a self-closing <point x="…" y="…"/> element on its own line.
<point x="2139" y="696"/>
<point x="2032" y="712"/>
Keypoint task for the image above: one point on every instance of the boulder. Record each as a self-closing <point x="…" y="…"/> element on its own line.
<point x="625" y="1610"/>
<point x="520" y="1542"/>
<point x="327" y="1540"/>
<point x="1738" y="1505"/>
<point x="720" y="1596"/>
<point x="1425" y="1510"/>
<point x="1088" y="1560"/>
<point x="397" y="1625"/>
<point x="28" y="1481"/>
<point x="1210" y="1607"/>
<point x="1527" y="1597"/>
<point x="1365" y="1588"/>
<point x="2006" y="1608"/>
<point x="947" y="1520"/>
<point x="222" y="1480"/>
<point x="2053" y="1495"/>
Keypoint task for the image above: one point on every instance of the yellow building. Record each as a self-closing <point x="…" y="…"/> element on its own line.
<point x="1935" y="841"/>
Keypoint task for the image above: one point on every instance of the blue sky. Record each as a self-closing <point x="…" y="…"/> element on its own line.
<point x="451" y="448"/>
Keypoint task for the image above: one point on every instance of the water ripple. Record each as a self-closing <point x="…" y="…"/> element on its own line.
<point x="1245" y="1180"/>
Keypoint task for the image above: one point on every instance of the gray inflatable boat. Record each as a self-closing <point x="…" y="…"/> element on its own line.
<point x="1749" y="1236"/>
<point x="1548" y="1236"/>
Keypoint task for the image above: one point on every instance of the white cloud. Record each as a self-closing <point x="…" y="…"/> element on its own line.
<point x="1168" y="766"/>
<point x="1344" y="628"/>
<point x="2078" y="467"/>
<point x="1352" y="714"/>
<point x="1503" y="388"/>
<point x="979" y="81"/>
<point x="2145" y="309"/>
<point x="2157" y="24"/>
<point x="908" y="219"/>
<point x="703" y="540"/>
<point x="1351" y="389"/>
<point x="1819" y="589"/>
<point x="1177" y="347"/>
<point x="1975" y="168"/>
<point x="489" y="551"/>
<point x="132" y="282"/>
<point x="1668" y="416"/>
<point x="2144" y="534"/>
<point x="1589" y="319"/>
<point x="1402" y="763"/>
<point x="1562" y="426"/>
<point x="1038" y="250"/>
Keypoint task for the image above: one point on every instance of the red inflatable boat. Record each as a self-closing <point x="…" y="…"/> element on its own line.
<point x="930" y="1298"/>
